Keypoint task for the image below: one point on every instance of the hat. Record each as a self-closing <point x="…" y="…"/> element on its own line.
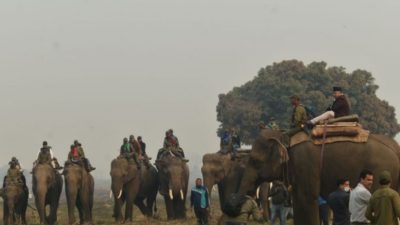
<point x="337" y="89"/>
<point x="385" y="177"/>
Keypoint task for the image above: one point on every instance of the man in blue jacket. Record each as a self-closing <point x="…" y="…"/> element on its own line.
<point x="199" y="201"/>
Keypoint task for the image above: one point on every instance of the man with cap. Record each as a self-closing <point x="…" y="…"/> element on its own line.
<point x="14" y="174"/>
<point x="77" y="150"/>
<point x="384" y="205"/>
<point x="171" y="144"/>
<point x="46" y="155"/>
<point x="128" y="150"/>
<point x="299" y="115"/>
<point x="339" y="202"/>
<point x="339" y="108"/>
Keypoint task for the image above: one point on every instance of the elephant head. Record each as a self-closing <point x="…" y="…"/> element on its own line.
<point x="267" y="161"/>
<point x="220" y="169"/>
<point x="14" y="200"/>
<point x="173" y="174"/>
<point x="122" y="172"/>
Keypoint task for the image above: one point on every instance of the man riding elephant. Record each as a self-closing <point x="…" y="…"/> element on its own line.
<point x="77" y="154"/>
<point x="339" y="108"/>
<point x="128" y="152"/>
<point x="46" y="155"/>
<point x="14" y="174"/>
<point x="171" y="144"/>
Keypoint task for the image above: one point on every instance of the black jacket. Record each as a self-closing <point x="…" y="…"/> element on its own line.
<point x="339" y="203"/>
<point x="341" y="107"/>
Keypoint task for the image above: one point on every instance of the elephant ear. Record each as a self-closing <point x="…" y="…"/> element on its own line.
<point x="283" y="152"/>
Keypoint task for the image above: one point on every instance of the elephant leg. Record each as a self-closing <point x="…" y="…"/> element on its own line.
<point x="129" y="210"/>
<point x="169" y="207"/>
<point x="72" y="195"/>
<point x="80" y="211"/>
<point x="53" y="210"/>
<point x="305" y="206"/>
<point x="150" y="203"/>
<point x="142" y="207"/>
<point x="41" y="206"/>
<point x="86" y="209"/>
<point x="6" y="214"/>
<point x="118" y="210"/>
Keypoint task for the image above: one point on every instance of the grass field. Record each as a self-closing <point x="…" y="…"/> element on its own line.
<point x="102" y="213"/>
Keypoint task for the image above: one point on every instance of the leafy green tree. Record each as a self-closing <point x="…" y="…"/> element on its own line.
<point x="268" y="95"/>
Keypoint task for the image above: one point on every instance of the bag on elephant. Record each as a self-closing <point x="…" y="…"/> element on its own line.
<point x="233" y="205"/>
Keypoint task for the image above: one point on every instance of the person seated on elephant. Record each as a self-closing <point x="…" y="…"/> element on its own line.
<point x="273" y="125"/>
<point x="299" y="114"/>
<point x="339" y="108"/>
<point x="46" y="155"/>
<point x="236" y="142"/>
<point x="144" y="155"/>
<point x="77" y="154"/>
<point x="249" y="208"/>
<point x="225" y="142"/>
<point x="14" y="174"/>
<point x="127" y="151"/>
<point x="18" y="165"/>
<point x="171" y="144"/>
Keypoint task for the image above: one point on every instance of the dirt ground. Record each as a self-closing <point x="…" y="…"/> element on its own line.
<point x="102" y="213"/>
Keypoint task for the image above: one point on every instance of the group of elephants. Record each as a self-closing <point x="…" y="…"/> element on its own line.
<point x="308" y="170"/>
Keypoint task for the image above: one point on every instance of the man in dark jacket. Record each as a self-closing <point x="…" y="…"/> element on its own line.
<point x="339" y="202"/>
<point x="339" y="108"/>
<point x="199" y="201"/>
<point x="279" y="195"/>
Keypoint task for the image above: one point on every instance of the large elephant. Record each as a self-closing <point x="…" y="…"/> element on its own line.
<point x="125" y="182"/>
<point x="313" y="172"/>
<point x="226" y="173"/>
<point x="79" y="188"/>
<point x="46" y="186"/>
<point x="148" y="189"/>
<point x="15" y="202"/>
<point x="173" y="174"/>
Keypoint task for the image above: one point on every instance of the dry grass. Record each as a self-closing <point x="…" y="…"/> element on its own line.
<point x="102" y="212"/>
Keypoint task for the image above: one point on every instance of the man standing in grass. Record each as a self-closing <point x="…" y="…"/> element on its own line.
<point x="199" y="201"/>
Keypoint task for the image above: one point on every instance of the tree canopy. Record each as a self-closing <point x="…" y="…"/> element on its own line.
<point x="268" y="95"/>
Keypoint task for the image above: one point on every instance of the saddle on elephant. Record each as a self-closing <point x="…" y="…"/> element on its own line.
<point x="335" y="130"/>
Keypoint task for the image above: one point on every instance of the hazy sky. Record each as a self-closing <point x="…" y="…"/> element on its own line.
<point x="98" y="71"/>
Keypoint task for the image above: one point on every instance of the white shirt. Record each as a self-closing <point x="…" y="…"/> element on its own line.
<point x="359" y="198"/>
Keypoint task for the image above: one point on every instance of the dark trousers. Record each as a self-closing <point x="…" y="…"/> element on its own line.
<point x="324" y="214"/>
<point x="201" y="215"/>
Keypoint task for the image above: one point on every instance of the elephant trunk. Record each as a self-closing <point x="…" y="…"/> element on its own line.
<point x="117" y="189"/>
<point x="40" y="202"/>
<point x="209" y="183"/>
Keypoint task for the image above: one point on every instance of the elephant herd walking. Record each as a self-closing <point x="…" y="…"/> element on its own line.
<point x="131" y="184"/>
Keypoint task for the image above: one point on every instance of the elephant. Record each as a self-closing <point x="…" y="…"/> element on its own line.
<point x="15" y="202"/>
<point x="173" y="174"/>
<point x="79" y="188"/>
<point x="312" y="172"/>
<point x="125" y="183"/>
<point x="148" y="189"/>
<point x="46" y="186"/>
<point x="226" y="173"/>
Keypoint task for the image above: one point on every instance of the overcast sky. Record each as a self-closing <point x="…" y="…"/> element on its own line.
<point x="98" y="71"/>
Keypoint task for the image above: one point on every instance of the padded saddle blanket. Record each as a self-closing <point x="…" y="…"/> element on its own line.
<point x="337" y="132"/>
